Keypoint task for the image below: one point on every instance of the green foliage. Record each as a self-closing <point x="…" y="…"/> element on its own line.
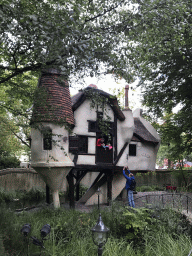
<point x="161" y="243"/>
<point x="159" y="231"/>
<point x="175" y="142"/>
<point x="161" y="55"/>
<point x="6" y="196"/>
<point x="136" y="221"/>
<point x="145" y="188"/>
<point x="9" y="162"/>
<point x="184" y="177"/>
<point x="73" y="36"/>
<point x="127" y="222"/>
<point x="9" y="143"/>
<point x="33" y="195"/>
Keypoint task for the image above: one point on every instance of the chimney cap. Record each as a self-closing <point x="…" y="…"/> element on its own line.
<point x="93" y="86"/>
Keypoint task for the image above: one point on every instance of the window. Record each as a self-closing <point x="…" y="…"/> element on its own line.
<point x="132" y="149"/>
<point x="92" y="127"/>
<point x="83" y="144"/>
<point x="78" y="144"/>
<point x="47" y="139"/>
<point x="73" y="144"/>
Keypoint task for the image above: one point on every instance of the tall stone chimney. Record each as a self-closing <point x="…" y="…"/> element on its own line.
<point x="126" y="96"/>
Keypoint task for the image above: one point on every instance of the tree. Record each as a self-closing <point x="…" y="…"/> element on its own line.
<point x="161" y="53"/>
<point x="175" y="145"/>
<point x="77" y="37"/>
<point x="74" y="36"/>
<point x="16" y="98"/>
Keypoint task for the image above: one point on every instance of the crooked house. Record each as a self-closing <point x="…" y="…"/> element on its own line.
<point x="87" y="139"/>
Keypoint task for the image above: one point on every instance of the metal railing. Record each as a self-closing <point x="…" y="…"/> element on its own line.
<point x="174" y="200"/>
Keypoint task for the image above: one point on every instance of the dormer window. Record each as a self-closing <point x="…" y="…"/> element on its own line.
<point x="47" y="139"/>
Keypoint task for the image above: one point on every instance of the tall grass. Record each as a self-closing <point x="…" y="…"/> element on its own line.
<point x="164" y="244"/>
<point x="71" y="232"/>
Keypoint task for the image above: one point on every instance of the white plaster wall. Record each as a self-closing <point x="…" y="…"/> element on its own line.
<point x="145" y="157"/>
<point x="108" y="113"/>
<point x="86" y="159"/>
<point x="84" y="113"/>
<point x="146" y="153"/>
<point x="55" y="157"/>
<point x="81" y="115"/>
<point x="124" y="134"/>
<point x="91" y="145"/>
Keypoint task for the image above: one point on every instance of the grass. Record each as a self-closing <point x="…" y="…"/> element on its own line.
<point x="156" y="232"/>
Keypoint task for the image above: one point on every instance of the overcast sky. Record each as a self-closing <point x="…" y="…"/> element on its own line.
<point x="107" y="84"/>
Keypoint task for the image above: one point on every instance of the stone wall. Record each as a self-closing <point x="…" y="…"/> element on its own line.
<point x="27" y="178"/>
<point x="23" y="178"/>
<point x="20" y="178"/>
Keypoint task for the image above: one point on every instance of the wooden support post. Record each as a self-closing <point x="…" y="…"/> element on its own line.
<point x="47" y="195"/>
<point x="77" y="187"/>
<point x="109" y="187"/>
<point x="71" y="190"/>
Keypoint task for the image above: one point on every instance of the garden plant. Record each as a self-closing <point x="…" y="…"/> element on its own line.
<point x="133" y="232"/>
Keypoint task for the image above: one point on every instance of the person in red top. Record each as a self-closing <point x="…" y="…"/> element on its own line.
<point x="100" y="142"/>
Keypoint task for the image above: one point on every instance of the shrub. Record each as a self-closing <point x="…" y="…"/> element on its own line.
<point x="133" y="232"/>
<point x="6" y="196"/>
<point x="9" y="162"/>
<point x="127" y="222"/>
<point x="172" y="221"/>
<point x="144" y="189"/>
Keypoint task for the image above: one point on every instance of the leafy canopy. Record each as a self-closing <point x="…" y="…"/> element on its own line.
<point x="161" y="53"/>
<point x="73" y="36"/>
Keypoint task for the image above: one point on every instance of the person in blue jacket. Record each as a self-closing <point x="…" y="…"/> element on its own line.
<point x="127" y="187"/>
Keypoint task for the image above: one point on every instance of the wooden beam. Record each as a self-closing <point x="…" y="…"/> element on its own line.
<point x="120" y="153"/>
<point x="47" y="195"/>
<point x="93" y="189"/>
<point x="70" y="180"/>
<point x="109" y="187"/>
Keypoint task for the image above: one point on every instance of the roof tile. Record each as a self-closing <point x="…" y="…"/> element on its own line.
<point x="53" y="101"/>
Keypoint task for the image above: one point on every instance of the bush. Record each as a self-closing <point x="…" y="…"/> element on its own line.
<point x="133" y="232"/>
<point x="9" y="162"/>
<point x="33" y="195"/>
<point x="127" y="222"/>
<point x="146" y="188"/>
<point x="174" y="223"/>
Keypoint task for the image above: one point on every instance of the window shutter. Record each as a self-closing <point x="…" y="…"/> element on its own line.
<point x="73" y="144"/>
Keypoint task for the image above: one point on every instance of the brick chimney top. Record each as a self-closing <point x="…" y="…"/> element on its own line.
<point x="127" y="96"/>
